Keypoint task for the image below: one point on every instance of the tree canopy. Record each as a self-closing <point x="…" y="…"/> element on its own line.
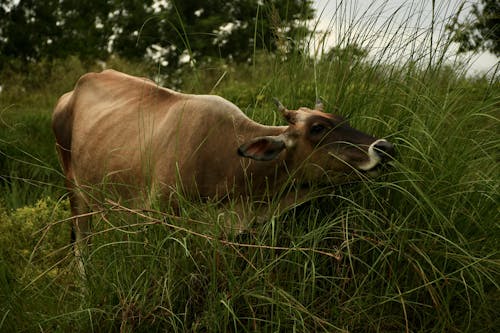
<point x="165" y="31"/>
<point x="481" y="31"/>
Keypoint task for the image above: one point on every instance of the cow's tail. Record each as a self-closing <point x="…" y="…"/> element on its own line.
<point x="62" y="125"/>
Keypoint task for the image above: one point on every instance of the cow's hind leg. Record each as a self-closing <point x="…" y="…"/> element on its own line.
<point x="80" y="231"/>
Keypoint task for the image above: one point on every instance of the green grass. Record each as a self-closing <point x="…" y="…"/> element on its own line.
<point x="415" y="250"/>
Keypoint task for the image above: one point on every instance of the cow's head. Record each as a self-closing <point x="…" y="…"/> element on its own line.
<point x="316" y="144"/>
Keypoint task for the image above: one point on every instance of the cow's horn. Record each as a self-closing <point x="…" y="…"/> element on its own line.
<point x="280" y="106"/>
<point x="289" y="115"/>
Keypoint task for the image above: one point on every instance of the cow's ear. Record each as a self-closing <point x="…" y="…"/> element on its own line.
<point x="264" y="148"/>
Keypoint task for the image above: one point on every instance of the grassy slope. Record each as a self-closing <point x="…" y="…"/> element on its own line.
<point x="414" y="250"/>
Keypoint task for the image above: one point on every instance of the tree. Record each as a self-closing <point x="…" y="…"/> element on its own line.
<point x="482" y="31"/>
<point x="31" y="30"/>
<point x="28" y="29"/>
<point x="351" y="52"/>
<point x="219" y="28"/>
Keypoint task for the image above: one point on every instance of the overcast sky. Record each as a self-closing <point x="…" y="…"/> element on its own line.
<point x="379" y="23"/>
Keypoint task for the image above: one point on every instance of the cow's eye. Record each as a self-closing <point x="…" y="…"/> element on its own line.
<point x="317" y="129"/>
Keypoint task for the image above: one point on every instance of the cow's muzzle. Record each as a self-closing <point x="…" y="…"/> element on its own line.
<point x="380" y="152"/>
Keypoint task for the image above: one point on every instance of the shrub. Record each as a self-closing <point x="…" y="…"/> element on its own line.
<point x="34" y="236"/>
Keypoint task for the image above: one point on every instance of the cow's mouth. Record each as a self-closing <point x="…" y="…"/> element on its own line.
<point x="378" y="169"/>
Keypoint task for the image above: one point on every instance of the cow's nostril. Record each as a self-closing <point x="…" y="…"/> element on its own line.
<point x="385" y="149"/>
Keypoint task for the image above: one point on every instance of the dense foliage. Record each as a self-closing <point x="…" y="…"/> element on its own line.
<point x="481" y="30"/>
<point x="166" y="31"/>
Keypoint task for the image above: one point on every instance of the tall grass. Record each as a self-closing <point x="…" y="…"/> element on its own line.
<point x="413" y="250"/>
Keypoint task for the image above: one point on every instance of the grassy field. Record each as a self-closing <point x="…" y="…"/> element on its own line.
<point x="415" y="250"/>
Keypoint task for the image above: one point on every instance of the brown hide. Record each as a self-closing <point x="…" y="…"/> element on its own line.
<point x="122" y="131"/>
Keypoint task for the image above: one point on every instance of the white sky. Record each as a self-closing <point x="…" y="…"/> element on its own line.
<point x="386" y="25"/>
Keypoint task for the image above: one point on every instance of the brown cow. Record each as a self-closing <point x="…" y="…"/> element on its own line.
<point x="128" y="135"/>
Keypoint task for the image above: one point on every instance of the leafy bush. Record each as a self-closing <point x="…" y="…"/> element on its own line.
<point x="33" y="261"/>
<point x="32" y="236"/>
